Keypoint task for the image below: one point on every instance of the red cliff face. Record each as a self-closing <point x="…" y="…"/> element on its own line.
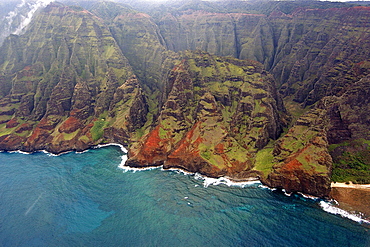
<point x="63" y="96"/>
<point x="70" y="82"/>
<point x="209" y="98"/>
<point x="302" y="160"/>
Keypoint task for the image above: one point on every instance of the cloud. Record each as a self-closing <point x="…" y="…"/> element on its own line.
<point x="33" y="7"/>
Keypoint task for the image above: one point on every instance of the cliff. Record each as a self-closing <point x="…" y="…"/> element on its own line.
<point x="218" y="113"/>
<point x="225" y="89"/>
<point x="63" y="82"/>
<point x="312" y="53"/>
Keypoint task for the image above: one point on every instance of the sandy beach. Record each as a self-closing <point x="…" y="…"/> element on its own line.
<point x="350" y="185"/>
<point x="353" y="198"/>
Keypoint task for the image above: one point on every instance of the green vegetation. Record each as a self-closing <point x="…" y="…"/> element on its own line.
<point x="5" y="131"/>
<point x="162" y="133"/>
<point x="353" y="175"/>
<point x="97" y="130"/>
<point x="352" y="164"/>
<point x="84" y="138"/>
<point x="206" y="154"/>
<point x="70" y="136"/>
<point x="264" y="161"/>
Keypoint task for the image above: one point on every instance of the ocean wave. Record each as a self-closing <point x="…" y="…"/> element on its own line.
<point x="124" y="150"/>
<point x="135" y="169"/>
<point x="330" y="208"/>
<point x="286" y="193"/>
<point x="18" y="152"/>
<point x="179" y="171"/>
<point x="54" y="155"/>
<point x="224" y="180"/>
<point x="308" y="196"/>
<point x="207" y="181"/>
<point x="266" y="187"/>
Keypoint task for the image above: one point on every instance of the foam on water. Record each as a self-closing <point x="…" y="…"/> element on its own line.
<point x="19" y="152"/>
<point x="135" y="169"/>
<point x="124" y="150"/>
<point x="224" y="180"/>
<point x="266" y="187"/>
<point x="207" y="181"/>
<point x="54" y="155"/>
<point x="82" y="152"/>
<point x="331" y="208"/>
<point x="286" y="193"/>
<point x="84" y="200"/>
<point x="125" y="168"/>
<point x="180" y="171"/>
<point x="308" y="196"/>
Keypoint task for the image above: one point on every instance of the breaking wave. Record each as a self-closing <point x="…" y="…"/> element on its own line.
<point x="225" y="181"/>
<point x="330" y="208"/>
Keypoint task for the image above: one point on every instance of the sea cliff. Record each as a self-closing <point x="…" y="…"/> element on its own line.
<point x="279" y="95"/>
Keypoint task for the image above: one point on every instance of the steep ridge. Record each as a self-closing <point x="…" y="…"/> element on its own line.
<point x="199" y="30"/>
<point x="312" y="53"/>
<point x="139" y="40"/>
<point x="349" y="133"/>
<point x="308" y="51"/>
<point x="322" y="60"/>
<point x="301" y="159"/>
<point x="218" y="114"/>
<point x="78" y="78"/>
<point x="63" y="82"/>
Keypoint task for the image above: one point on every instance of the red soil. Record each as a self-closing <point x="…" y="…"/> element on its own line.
<point x="35" y="135"/>
<point x="70" y="125"/>
<point x="292" y="165"/>
<point x="23" y="127"/>
<point x="12" y="123"/>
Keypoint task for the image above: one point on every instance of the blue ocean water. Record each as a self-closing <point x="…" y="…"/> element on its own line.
<point x="86" y="200"/>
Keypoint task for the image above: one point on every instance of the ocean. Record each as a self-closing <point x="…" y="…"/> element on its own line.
<point x="86" y="199"/>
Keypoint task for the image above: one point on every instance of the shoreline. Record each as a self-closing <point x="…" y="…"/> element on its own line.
<point x="352" y="198"/>
<point x="123" y="149"/>
<point x="350" y="185"/>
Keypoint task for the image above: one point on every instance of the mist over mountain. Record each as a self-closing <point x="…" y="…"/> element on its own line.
<point x="15" y="15"/>
<point x="271" y="90"/>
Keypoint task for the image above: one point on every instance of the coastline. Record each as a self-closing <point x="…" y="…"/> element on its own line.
<point x="350" y="185"/>
<point x="353" y="198"/>
<point x="123" y="149"/>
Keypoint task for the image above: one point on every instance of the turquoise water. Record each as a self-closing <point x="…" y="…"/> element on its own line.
<point x="86" y="200"/>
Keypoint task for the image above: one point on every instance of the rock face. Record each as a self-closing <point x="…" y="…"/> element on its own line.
<point x="309" y="57"/>
<point x="218" y="113"/>
<point x="60" y="80"/>
<point x="301" y="157"/>
<point x="77" y="78"/>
